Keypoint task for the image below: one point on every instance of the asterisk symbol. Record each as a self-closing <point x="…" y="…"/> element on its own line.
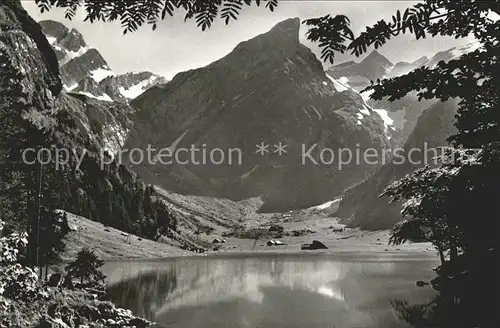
<point x="280" y="148"/>
<point x="262" y="149"/>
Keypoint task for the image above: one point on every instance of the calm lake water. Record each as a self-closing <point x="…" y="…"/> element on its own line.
<point x="264" y="291"/>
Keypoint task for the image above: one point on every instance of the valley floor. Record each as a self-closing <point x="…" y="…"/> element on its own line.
<point x="327" y="231"/>
<point x="113" y="244"/>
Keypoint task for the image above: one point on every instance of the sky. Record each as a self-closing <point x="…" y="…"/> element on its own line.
<point x="177" y="46"/>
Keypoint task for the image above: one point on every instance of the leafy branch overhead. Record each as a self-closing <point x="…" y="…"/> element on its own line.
<point x="134" y="14"/>
<point x="432" y="17"/>
<point x="333" y="33"/>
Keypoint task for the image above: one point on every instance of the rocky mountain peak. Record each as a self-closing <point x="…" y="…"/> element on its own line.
<point x="376" y="58"/>
<point x="54" y="29"/>
<point x="288" y="29"/>
<point x="359" y="74"/>
<point x="270" y="87"/>
<point x="24" y="50"/>
<point x="282" y="39"/>
<point x="73" y="41"/>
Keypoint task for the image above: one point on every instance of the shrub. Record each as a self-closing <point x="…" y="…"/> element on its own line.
<point x="11" y="247"/>
<point x="18" y="282"/>
<point x="276" y="228"/>
<point x="86" y="267"/>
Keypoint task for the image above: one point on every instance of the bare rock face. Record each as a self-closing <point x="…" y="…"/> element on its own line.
<point x="269" y="89"/>
<point x="25" y="51"/>
<point x="76" y="67"/>
<point x="105" y="123"/>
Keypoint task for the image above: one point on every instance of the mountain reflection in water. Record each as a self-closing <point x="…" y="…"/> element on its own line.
<point x="269" y="292"/>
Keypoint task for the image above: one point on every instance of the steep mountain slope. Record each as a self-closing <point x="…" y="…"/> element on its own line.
<point x="34" y="113"/>
<point x="85" y="71"/>
<point x="105" y="123"/>
<point x="361" y="206"/>
<point x="404" y="114"/>
<point x="416" y="122"/>
<point x="404" y="67"/>
<point x="269" y="89"/>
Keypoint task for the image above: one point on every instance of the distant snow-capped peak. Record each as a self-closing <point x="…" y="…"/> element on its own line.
<point x="79" y="62"/>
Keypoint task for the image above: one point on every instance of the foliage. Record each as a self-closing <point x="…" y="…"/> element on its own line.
<point x="451" y="205"/>
<point x="466" y="180"/>
<point x="86" y="267"/>
<point x="454" y="202"/>
<point x="431" y="17"/>
<point x="53" y="229"/>
<point x="61" y="307"/>
<point x="26" y="302"/>
<point x="409" y="231"/>
<point x="114" y="196"/>
<point x="11" y="247"/>
<point x="24" y="128"/>
<point x="134" y="14"/>
<point x="18" y="282"/>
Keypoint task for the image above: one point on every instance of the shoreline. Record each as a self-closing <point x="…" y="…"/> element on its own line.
<point x="376" y="255"/>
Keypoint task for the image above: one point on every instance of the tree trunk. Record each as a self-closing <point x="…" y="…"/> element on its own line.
<point x="441" y="255"/>
<point x="453" y="247"/>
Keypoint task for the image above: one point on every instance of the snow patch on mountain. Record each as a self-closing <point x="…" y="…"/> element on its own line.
<point x="114" y="137"/>
<point x="70" y="55"/>
<point x="365" y="111"/>
<point x="337" y="84"/>
<point x="137" y="89"/>
<point x="325" y="205"/>
<point x="71" y="87"/>
<point x="317" y="112"/>
<point x="343" y="80"/>
<point x="101" y="73"/>
<point x="51" y="39"/>
<point x="493" y="16"/>
<point x="104" y="97"/>
<point x="388" y="122"/>
<point x="176" y="142"/>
